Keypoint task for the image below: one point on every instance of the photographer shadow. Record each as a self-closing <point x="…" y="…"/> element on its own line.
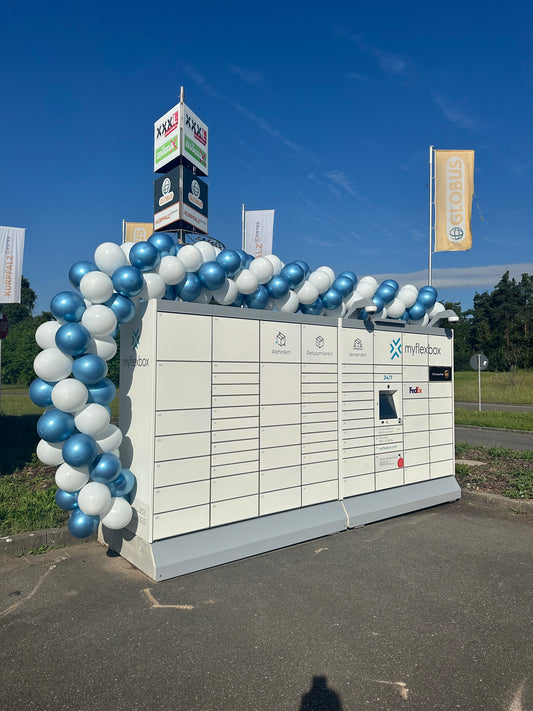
<point x="320" y="697"/>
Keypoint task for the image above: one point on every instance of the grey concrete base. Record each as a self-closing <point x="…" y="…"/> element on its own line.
<point x="379" y="505"/>
<point x="204" y="549"/>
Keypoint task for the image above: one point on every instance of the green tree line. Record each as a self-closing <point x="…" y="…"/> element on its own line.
<point x="500" y="325"/>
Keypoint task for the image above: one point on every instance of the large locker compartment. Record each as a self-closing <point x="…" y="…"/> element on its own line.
<point x="250" y="430"/>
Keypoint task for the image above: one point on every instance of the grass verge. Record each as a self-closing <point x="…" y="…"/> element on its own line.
<point x="515" y="388"/>
<point x="500" y="471"/>
<point x="495" y="418"/>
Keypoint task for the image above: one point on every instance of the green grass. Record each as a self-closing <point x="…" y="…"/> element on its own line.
<point x="495" y="418"/>
<point x="27" y="502"/>
<point x="514" y="388"/>
<point x="500" y="471"/>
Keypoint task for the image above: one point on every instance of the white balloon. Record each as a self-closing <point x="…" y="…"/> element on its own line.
<point x="171" y="270"/>
<point x="154" y="287"/>
<point x="92" y="419"/>
<point x="94" y="498"/>
<point x="307" y="293"/>
<point x="329" y="271"/>
<point x="191" y="257"/>
<point x="126" y="248"/>
<point x="71" y="478"/>
<point x="276" y="263"/>
<point x="367" y="287"/>
<point x="105" y="347"/>
<point x="437" y="308"/>
<point x="408" y="294"/>
<point x="320" y="279"/>
<point x="226" y="294"/>
<point x="69" y="395"/>
<point x="207" y="250"/>
<point x="118" y="514"/>
<point x="287" y="304"/>
<point x="45" y="335"/>
<point x="50" y="452"/>
<point x="52" y="365"/>
<point x="246" y="282"/>
<point x="109" y="439"/>
<point x="396" y="308"/>
<point x="97" y="287"/>
<point x="263" y="269"/>
<point x="351" y="299"/>
<point x="99" y="320"/>
<point x="109" y="256"/>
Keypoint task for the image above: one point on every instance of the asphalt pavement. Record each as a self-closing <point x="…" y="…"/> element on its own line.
<point x="492" y="437"/>
<point x="428" y="611"/>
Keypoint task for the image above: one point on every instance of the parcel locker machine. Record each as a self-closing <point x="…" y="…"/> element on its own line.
<point x="251" y="430"/>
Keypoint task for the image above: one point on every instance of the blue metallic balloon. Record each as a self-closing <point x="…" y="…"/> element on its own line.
<point x="363" y="315"/>
<point x="379" y="301"/>
<point x="144" y="256"/>
<point x="190" y="288"/>
<point x="79" y="270"/>
<point x="239" y="301"/>
<point x="212" y="275"/>
<point x="344" y="285"/>
<point x="350" y="275"/>
<point x="278" y="287"/>
<point x="258" y="299"/>
<point x="417" y="311"/>
<point x="79" y="450"/>
<point x="405" y="316"/>
<point x="170" y="293"/>
<point x="164" y="243"/>
<point x="314" y="309"/>
<point x="246" y="262"/>
<point x="294" y="274"/>
<point x="55" y="425"/>
<point x="81" y="525"/>
<point x="230" y="261"/>
<point x="393" y="283"/>
<point x="123" y="484"/>
<point x="89" y="368"/>
<point x="331" y="299"/>
<point x="427" y="297"/>
<point x="304" y="266"/>
<point x="66" y="500"/>
<point x="430" y="288"/>
<point x="105" y="468"/>
<point x="128" y="281"/>
<point x="40" y="393"/>
<point x="122" y="307"/>
<point x="72" y="339"/>
<point x="386" y="292"/>
<point x="102" y="393"/>
<point x="243" y="256"/>
<point x="67" y="306"/>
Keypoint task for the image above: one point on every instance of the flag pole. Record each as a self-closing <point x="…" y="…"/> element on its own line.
<point x="430" y="209"/>
<point x="243" y="229"/>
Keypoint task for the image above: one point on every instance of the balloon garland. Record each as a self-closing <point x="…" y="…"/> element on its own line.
<point x="75" y="429"/>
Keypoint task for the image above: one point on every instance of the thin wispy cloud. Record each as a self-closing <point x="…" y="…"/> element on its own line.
<point x="389" y="63"/>
<point x="201" y="81"/>
<point x="458" y="115"/>
<point x="462" y="278"/>
<point x="357" y="76"/>
<point x="343" y="181"/>
<point x="247" y="75"/>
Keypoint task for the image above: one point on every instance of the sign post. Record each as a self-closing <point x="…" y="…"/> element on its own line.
<point x="479" y="362"/>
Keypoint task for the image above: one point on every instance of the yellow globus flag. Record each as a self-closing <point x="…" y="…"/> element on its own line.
<point x="454" y="187"/>
<point x="137" y="231"/>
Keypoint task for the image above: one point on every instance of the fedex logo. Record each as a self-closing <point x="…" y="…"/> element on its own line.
<point x="415" y="391"/>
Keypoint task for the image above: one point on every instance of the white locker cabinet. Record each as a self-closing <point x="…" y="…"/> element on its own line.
<point x="248" y="430"/>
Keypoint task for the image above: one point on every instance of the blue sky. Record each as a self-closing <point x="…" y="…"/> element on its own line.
<point x="324" y="112"/>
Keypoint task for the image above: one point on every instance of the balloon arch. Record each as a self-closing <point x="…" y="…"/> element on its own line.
<point x="75" y="429"/>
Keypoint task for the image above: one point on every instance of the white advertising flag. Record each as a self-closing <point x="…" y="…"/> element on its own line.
<point x="259" y="232"/>
<point x="11" y="253"/>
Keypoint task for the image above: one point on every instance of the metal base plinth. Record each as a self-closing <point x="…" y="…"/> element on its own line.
<point x="191" y="552"/>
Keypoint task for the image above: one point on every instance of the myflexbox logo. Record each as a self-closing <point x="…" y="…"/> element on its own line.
<point x="135" y="338"/>
<point x="396" y="349"/>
